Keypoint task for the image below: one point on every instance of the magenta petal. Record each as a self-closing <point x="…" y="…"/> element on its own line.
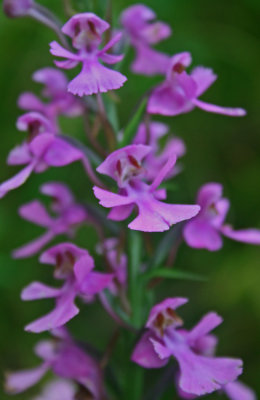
<point x="164" y="172"/>
<point x="17" y="382"/>
<point x="200" y="375"/>
<point x="60" y="192"/>
<point x="58" y="389"/>
<point x="231" y="112"/>
<point x="251" y="236"/>
<point x="117" y="37"/>
<point x="19" y="155"/>
<point x="209" y="193"/>
<point x="149" y="61"/>
<point x="239" y="391"/>
<point x="109" y="199"/>
<point x="46" y="349"/>
<point x="60" y="153"/>
<point x="57" y="50"/>
<point x="28" y="101"/>
<point x="200" y="234"/>
<point x="209" y="322"/>
<point x="95" y="78"/>
<point x="120" y="213"/>
<point x="17" y="180"/>
<point x="108" y="166"/>
<point x="164" y="100"/>
<point x="155" y="32"/>
<point x="33" y="247"/>
<point x="204" y="78"/>
<point x="35" y="212"/>
<point x="83" y="267"/>
<point x="82" y="22"/>
<point x="49" y="256"/>
<point x="95" y="282"/>
<point x="64" y="311"/>
<point x="145" y="355"/>
<point x="155" y="216"/>
<point x="37" y="290"/>
<point x="67" y="64"/>
<point x="171" y="302"/>
<point x="162" y="351"/>
<point x="111" y="58"/>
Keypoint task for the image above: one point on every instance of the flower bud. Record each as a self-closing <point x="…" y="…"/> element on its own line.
<point x="17" y="8"/>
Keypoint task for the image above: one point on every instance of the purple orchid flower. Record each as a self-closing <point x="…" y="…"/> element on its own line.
<point x="124" y="166"/>
<point x="43" y="150"/>
<point x="68" y="216"/>
<point x="66" y="360"/>
<point x="205" y="230"/>
<point x="17" y="8"/>
<point x="55" y="89"/>
<point x="164" y="338"/>
<point x="156" y="159"/>
<point x="86" y="32"/>
<point x="142" y="33"/>
<point x="58" y="389"/>
<point x="206" y="346"/>
<point x="73" y="265"/>
<point x="179" y="92"/>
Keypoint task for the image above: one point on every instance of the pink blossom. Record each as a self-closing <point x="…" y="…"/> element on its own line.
<point x="125" y="167"/>
<point x="73" y="265"/>
<point x="137" y="21"/>
<point x="206" y="229"/>
<point x="66" y="360"/>
<point x="43" y="150"/>
<point x="86" y="31"/>
<point x="68" y="215"/>
<point x="179" y="92"/>
<point x="206" y="346"/>
<point x="164" y="338"/>
<point x="17" y="8"/>
<point x="60" y="102"/>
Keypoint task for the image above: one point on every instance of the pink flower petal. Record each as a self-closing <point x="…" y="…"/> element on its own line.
<point x="36" y="213"/>
<point x="231" y="112"/>
<point x="60" y="153"/>
<point x="109" y="199"/>
<point x="64" y="311"/>
<point x="239" y="391"/>
<point x="209" y="322"/>
<point x="18" y="382"/>
<point x="95" y="78"/>
<point x="201" y="235"/>
<point x="145" y="355"/>
<point x="17" y="180"/>
<point x="37" y="290"/>
<point x="251" y="236"/>
<point x="204" y="78"/>
<point x="33" y="247"/>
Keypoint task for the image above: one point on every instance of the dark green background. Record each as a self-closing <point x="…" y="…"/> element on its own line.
<point x="223" y="35"/>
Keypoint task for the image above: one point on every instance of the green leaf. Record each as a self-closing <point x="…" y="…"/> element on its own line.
<point x="174" y="273"/>
<point x="165" y="245"/>
<point x="132" y="126"/>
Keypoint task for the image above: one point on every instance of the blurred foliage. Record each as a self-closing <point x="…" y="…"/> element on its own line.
<point x="223" y="35"/>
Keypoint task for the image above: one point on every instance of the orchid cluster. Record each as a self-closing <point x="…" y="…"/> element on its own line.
<point x="130" y="171"/>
